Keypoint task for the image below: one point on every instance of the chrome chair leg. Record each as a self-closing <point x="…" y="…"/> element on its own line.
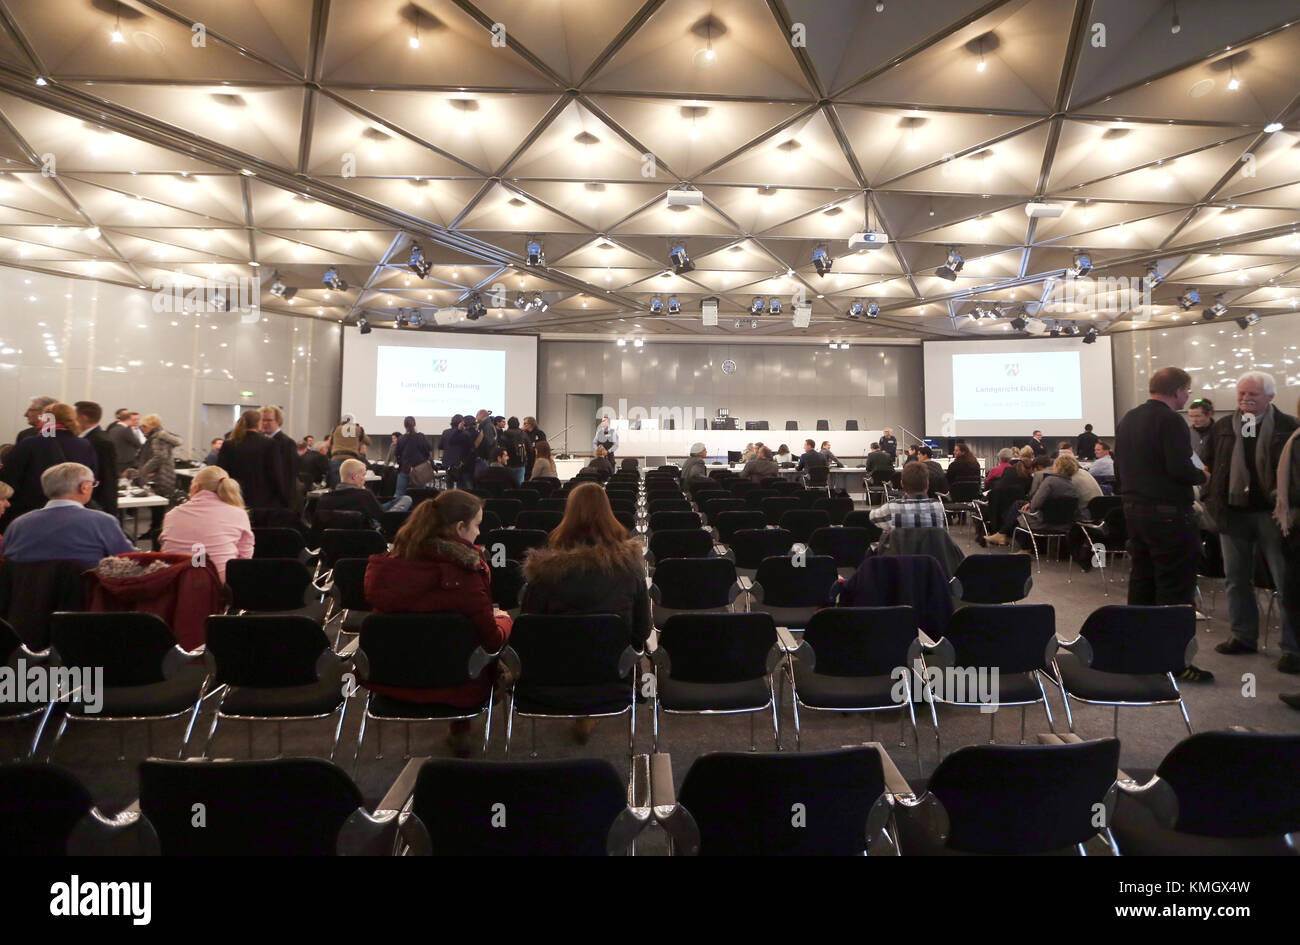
<point x="58" y="737"/>
<point x="1115" y="731"/>
<point x="533" y="752"/>
<point x="338" y="729"/>
<point x="487" y="724"/>
<point x="361" y="736"/>
<point x="40" y="730"/>
<point x="752" y="746"/>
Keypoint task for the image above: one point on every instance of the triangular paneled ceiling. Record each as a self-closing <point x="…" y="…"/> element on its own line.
<point x="144" y="138"/>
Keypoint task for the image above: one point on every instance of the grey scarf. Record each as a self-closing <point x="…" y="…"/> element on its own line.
<point x="1265" y="468"/>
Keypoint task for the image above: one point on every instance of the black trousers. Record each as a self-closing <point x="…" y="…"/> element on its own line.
<point x="1164" y="543"/>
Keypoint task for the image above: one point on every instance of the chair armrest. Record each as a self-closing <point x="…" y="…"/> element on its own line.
<point x="129" y="833"/>
<point x="399" y="794"/>
<point x="676" y="820"/>
<point x="786" y="641"/>
<point x="895" y="783"/>
<point x="351" y="648"/>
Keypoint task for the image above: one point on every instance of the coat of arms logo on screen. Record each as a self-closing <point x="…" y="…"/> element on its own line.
<point x="1012" y="368"/>
<point x="440" y="366"/>
<point x="728" y="366"/>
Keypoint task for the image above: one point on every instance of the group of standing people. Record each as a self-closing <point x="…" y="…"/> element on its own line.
<point x="503" y="449"/>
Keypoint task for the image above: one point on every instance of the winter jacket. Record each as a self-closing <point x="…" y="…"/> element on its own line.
<point x="30" y="457"/>
<point x="1217" y="453"/>
<point x="182" y="595"/>
<point x="157" y="469"/>
<point x="590" y="579"/>
<point x="250" y="462"/>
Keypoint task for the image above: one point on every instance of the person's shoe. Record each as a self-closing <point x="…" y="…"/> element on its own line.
<point x="1234" y="647"/>
<point x="981" y="541"/>
<point x="582" y="729"/>
<point x="1196" y="674"/>
<point x="1289" y="663"/>
<point x="997" y="538"/>
<point x="1290" y="698"/>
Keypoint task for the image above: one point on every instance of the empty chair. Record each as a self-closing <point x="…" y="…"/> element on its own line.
<point x="749" y="547"/>
<point x="836" y="507"/>
<point x="792" y="424"/>
<point x="1128" y="655"/>
<point x="512" y="542"/>
<point x="271" y="585"/>
<point x="792" y="592"/>
<point x="571" y="666"/>
<point x="12" y="650"/>
<point x="420" y="494"/>
<point x="348" y="594"/>
<point x="1013" y="799"/>
<point x="145" y="675"/>
<point x="717" y="664"/>
<point x="960" y="496"/>
<point x="668" y="505"/>
<point x="277" y="543"/>
<point x="819" y="477"/>
<point x="801" y="523"/>
<point x="856" y="659"/>
<point x="550" y="505"/>
<point x="808" y="498"/>
<point x="338" y="543"/>
<point x="1106" y="540"/>
<point x="850" y="424"/>
<point x="46" y="811"/>
<point x="576" y="807"/>
<point x="823" y="424"/>
<point x="992" y="579"/>
<point x="527" y="498"/>
<point x="674" y="520"/>
<point x="777" y="506"/>
<point x="505" y="509"/>
<point x="280" y="807"/>
<point x="680" y="543"/>
<point x="405" y="660"/>
<point x="756" y="498"/>
<point x="272" y="667"/>
<point x="994" y="655"/>
<point x="728" y="523"/>
<point x="784" y="486"/>
<point x="507" y="584"/>
<point x="740" y="804"/>
<point x="626" y="519"/>
<point x="693" y="585"/>
<point x="848" y="546"/>
<point x="392" y="521"/>
<point x="861" y="518"/>
<point x="623" y="505"/>
<point x="1195" y="804"/>
<point x="712" y="508"/>
<point x="490" y="522"/>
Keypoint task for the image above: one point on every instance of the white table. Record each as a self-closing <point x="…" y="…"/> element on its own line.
<point x="135" y="503"/>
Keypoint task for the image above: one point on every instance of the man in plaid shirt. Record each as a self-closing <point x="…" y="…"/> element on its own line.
<point x="916" y="509"/>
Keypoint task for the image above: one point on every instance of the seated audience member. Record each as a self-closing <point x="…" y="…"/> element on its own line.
<point x="916" y="509"/>
<point x="65" y="530"/>
<point x="435" y="567"/>
<point x="831" y="458"/>
<point x="964" y="465"/>
<point x="248" y="457"/>
<point x="33" y="455"/>
<point x="912" y="455"/>
<point x="694" y="468"/>
<point x="1059" y="483"/>
<point x="1042" y="466"/>
<point x="313" y="466"/>
<point x="746" y="455"/>
<point x="499" y="473"/>
<point x="543" y="461"/>
<point x="783" y="454"/>
<point x="1006" y="458"/>
<point x="809" y="459"/>
<point x="879" y="461"/>
<point x="601" y="464"/>
<point x="214" y="519"/>
<point x="761" y="467"/>
<point x="1005" y="497"/>
<point x="6" y="493"/>
<point x="1085" y="444"/>
<point x="1103" y="467"/>
<point x="351" y="495"/>
<point x="1065" y="446"/>
<point x="589" y="566"/>
<point x="213" y="449"/>
<point x="938" y="478"/>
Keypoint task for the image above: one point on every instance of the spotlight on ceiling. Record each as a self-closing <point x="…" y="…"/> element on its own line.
<point x="332" y="280"/>
<point x="774" y="307"/>
<point x="417" y="263"/>
<point x="1271" y="128"/>
<point x="280" y="290"/>
<point x="363" y="326"/>
<point x="1175" y="27"/>
<point x="1082" y="265"/>
<point x="1249" y="320"/>
<point x="880" y="6"/>
<point x="681" y="262"/>
<point x="1189" y="299"/>
<point x="856" y="310"/>
<point x="1153" y="277"/>
<point x="872" y="310"/>
<point x="1090" y="337"/>
<point x="1054" y="331"/>
<point x="674" y="306"/>
<point x="417" y="320"/>
<point x="822" y="260"/>
<point x="1215" y="310"/>
<point x="622" y="342"/>
<point x="539" y="303"/>
<point x="476" y="309"/>
<point x="40" y="80"/>
<point x="1019" y="323"/>
<point x="401" y="320"/>
<point x="656" y="306"/>
<point x="1072" y="330"/>
<point x="953" y="266"/>
<point x="756" y="306"/>
<point x="536" y="256"/>
<point x="521" y="302"/>
<point x="639" y="343"/>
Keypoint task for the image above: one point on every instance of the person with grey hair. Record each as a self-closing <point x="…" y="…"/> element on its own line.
<point x="64" y="529"/>
<point x="35" y="410"/>
<point x="1243" y="450"/>
<point x="761" y="466"/>
<point x="693" y="468"/>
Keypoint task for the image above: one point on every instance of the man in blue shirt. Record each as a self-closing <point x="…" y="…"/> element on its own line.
<point x="65" y="530"/>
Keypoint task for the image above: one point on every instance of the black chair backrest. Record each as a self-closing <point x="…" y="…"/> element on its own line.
<point x="391" y="522"/>
<point x="850" y="424"/>
<point x="40" y="804"/>
<point x="668" y="505"/>
<point x="491" y="521"/>
<point x="741" y="487"/>
<point x="1059" y="510"/>
<point x="848" y="546"/>
<point x="784" y="487"/>
<point x="718" y="648"/>
<point x="861" y="641"/>
<point x="744" y="803"/>
<point x="543" y="520"/>
<point x="30" y="591"/>
<point x="836" y="508"/>
<point x="964" y="490"/>
<point x="1012" y="637"/>
<point x="339" y="518"/>
<point x="818" y="475"/>
<point x="550" y="505"/>
<point x="420" y="494"/>
<point x="569" y="649"/>
<point x="513" y="542"/>
<point x="626" y="519"/>
<point x="994" y="579"/>
<point x="1235" y="784"/>
<point x="265" y="650"/>
<point x="861" y="518"/>
<point x="715" y="507"/>
<point x="1025" y="799"/>
<point x="277" y="543"/>
<point x="527" y="498"/>
<point x="801" y="523"/>
<point x="777" y="506"/>
<point x="1102" y="505"/>
<point x="506" y="808"/>
<point x="785" y="585"/>
<point x="823" y="424"/>
<point x="1140" y="640"/>
<point x="275" y="518"/>
<point x="506" y="509"/>
<point x="660" y="520"/>
<point x="9" y="642"/>
<point x="680" y="543"/>
<point x="756" y="498"/>
<point x="1115" y="527"/>
<point x="267" y="583"/>
<point x="280" y="807"/>
<point x="350" y="583"/>
<point x="752" y="546"/>
<point x="728" y="523"/>
<point x="792" y="424"/>
<point x="417" y="651"/>
<point x="695" y="583"/>
<point x="338" y="543"/>
<point x="130" y="647"/>
<point x="507" y="582"/>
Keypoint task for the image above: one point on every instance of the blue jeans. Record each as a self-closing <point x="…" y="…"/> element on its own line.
<point x="1245" y="531"/>
<point x="403" y="480"/>
<point x="399" y="504"/>
<point x="518" y="473"/>
<point x="332" y="479"/>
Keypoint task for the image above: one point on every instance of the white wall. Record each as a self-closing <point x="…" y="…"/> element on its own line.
<point x="80" y="340"/>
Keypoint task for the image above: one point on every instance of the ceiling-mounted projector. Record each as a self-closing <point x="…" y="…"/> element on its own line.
<point x="867" y="240"/>
<point x="1035" y="326"/>
<point x="802" y="314"/>
<point x="685" y="198"/>
<point x="1036" y="210"/>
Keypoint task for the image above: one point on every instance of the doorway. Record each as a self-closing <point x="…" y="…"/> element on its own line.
<point x="580" y="419"/>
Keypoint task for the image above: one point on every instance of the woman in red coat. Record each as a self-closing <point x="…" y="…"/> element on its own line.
<point x="436" y="567"/>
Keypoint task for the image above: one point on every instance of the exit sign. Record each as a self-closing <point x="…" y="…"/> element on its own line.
<point x="246" y="394"/>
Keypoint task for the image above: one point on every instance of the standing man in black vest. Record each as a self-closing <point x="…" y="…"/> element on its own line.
<point x="889" y="443"/>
